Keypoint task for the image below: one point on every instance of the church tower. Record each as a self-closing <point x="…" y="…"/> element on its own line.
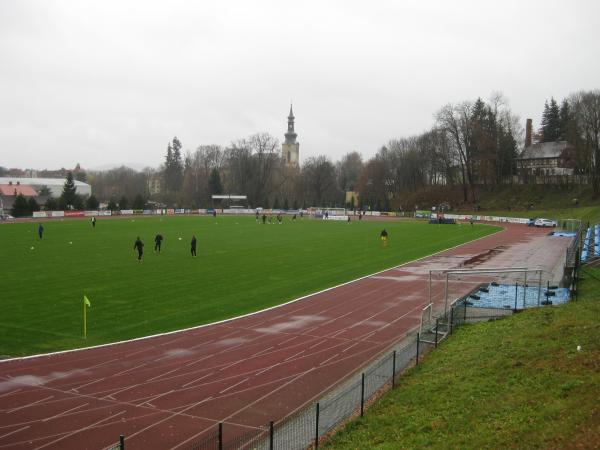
<point x="290" y="149"/>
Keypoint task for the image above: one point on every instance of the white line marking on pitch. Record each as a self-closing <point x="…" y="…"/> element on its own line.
<point x="13" y="432"/>
<point x="76" y="390"/>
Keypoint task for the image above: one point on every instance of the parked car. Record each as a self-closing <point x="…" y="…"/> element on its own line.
<point x="545" y="223"/>
<point x="531" y="222"/>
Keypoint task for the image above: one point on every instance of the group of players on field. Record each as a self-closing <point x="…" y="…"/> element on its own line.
<point x="139" y="244"/>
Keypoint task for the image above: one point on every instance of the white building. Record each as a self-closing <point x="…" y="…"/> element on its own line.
<point x="54" y="185"/>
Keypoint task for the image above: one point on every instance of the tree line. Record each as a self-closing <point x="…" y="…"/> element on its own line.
<point x="470" y="144"/>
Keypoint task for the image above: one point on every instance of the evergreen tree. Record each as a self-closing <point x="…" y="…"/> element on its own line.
<point x="78" y="203"/>
<point x="565" y="117"/>
<point x="286" y="205"/>
<point x="544" y="123"/>
<point x="112" y="204"/>
<point x="173" y="170"/>
<point x="92" y="202"/>
<point x="550" y="126"/>
<point x="123" y="202"/>
<point x="295" y="204"/>
<point x="276" y="203"/>
<point x="69" y="192"/>
<point x="51" y="204"/>
<point x="32" y="205"/>
<point x="20" y="206"/>
<point x="139" y="202"/>
<point x="553" y="121"/>
<point x="214" y="183"/>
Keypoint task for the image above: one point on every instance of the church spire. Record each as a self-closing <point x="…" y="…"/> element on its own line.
<point x="290" y="149"/>
<point x="290" y="136"/>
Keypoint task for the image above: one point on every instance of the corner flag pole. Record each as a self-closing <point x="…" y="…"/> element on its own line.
<point x="86" y="303"/>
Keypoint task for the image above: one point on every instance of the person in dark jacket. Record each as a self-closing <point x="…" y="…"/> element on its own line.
<point x="158" y="242"/>
<point x="193" y="246"/>
<point x="139" y="246"/>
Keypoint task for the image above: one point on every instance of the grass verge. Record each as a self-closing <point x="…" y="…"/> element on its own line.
<point x="515" y="383"/>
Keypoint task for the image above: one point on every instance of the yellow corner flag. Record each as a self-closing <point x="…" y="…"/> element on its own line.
<point x="86" y="302"/>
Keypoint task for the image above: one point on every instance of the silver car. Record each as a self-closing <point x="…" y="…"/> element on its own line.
<point x="545" y="223"/>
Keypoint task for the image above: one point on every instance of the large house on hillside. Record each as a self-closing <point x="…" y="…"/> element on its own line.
<point x="547" y="158"/>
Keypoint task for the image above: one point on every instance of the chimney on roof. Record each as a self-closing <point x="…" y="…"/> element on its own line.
<point x="528" y="132"/>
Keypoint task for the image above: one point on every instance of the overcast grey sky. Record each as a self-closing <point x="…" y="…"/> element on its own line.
<point x="105" y="82"/>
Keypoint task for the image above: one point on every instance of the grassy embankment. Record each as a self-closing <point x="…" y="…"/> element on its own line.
<point x="516" y="383"/>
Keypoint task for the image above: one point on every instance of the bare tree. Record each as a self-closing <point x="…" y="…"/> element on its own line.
<point x="348" y="170"/>
<point x="586" y="107"/>
<point x="318" y="175"/>
<point x="455" y="120"/>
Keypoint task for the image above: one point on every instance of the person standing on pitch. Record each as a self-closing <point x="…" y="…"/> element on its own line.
<point x="93" y="222"/>
<point x="158" y="242"/>
<point x="139" y="246"/>
<point x="193" y="244"/>
<point x="383" y="236"/>
<point x="41" y="230"/>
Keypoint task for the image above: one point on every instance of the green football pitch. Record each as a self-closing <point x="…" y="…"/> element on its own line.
<point x="242" y="266"/>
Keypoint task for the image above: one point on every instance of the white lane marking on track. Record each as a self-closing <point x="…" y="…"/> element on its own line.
<point x="81" y="429"/>
<point x="317" y="344"/>
<point x="234" y="385"/>
<point x="263" y="351"/>
<point x="156" y="397"/>
<point x="64" y="412"/>
<point x="266" y="369"/>
<point x="198" y="379"/>
<point x="128" y="370"/>
<point x="28" y="405"/>
<point x="231" y="365"/>
<point x="129" y="437"/>
<point x="11" y="393"/>
<point x="293" y="356"/>
<point x="328" y="359"/>
<point x="162" y="375"/>
<point x="76" y="390"/>
<point x="13" y="432"/>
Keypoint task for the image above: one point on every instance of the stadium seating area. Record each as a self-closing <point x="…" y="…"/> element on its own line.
<point x="591" y="244"/>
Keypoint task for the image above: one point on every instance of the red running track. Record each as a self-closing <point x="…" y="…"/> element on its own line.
<point x="165" y="392"/>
